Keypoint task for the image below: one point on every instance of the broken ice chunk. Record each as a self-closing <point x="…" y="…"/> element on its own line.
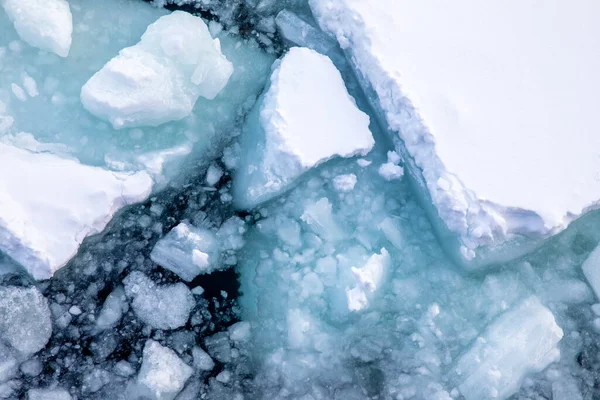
<point x="48" y="394"/>
<point x="475" y="131"/>
<point x="202" y="360"/>
<point x="161" y="77"/>
<point x="344" y="183"/>
<point x="319" y="216"/>
<point x="368" y="279"/>
<point x="161" y="307"/>
<point x="521" y="341"/>
<point x="45" y="24"/>
<point x="162" y="373"/>
<point x="591" y="270"/>
<point x="306" y="118"/>
<point x="48" y="205"/>
<point x="25" y="322"/>
<point x="112" y="310"/>
<point x="187" y="251"/>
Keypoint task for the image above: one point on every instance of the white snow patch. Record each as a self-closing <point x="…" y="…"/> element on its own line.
<point x="160" y="78"/>
<point x="48" y="205"/>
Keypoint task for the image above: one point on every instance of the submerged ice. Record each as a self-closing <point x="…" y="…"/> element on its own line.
<point x="211" y="207"/>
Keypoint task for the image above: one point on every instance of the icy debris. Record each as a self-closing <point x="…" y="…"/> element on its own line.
<point x="202" y="360"/>
<point x="305" y="119"/>
<point x="32" y="367"/>
<point x="475" y="130"/>
<point x="25" y="322"/>
<point x="344" y="183"/>
<point x="565" y="389"/>
<point x="591" y="270"/>
<point x="112" y="310"/>
<point x="45" y="24"/>
<point x="162" y="373"/>
<point x="159" y="79"/>
<point x="160" y="306"/>
<point x="519" y="342"/>
<point x="48" y="205"/>
<point x="319" y="216"/>
<point x="187" y="251"/>
<point x="48" y="394"/>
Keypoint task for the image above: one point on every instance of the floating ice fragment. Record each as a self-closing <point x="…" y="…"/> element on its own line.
<point x="160" y="306"/>
<point x="187" y="251"/>
<point x="521" y="341"/>
<point x="45" y="24"/>
<point x="25" y="322"/>
<point x="344" y="183"/>
<point x="591" y="270"/>
<point x="306" y="118"/>
<point x="162" y="373"/>
<point x="160" y="78"/>
<point x="48" y="394"/>
<point x="202" y="360"/>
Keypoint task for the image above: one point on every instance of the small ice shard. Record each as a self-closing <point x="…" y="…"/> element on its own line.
<point x="240" y="331"/>
<point x="519" y="342"/>
<point x="391" y="170"/>
<point x="45" y="24"/>
<point x="48" y="394"/>
<point x="160" y="78"/>
<point x="160" y="306"/>
<point x="213" y="175"/>
<point x="48" y="205"/>
<point x="187" y="251"/>
<point x="163" y="374"/>
<point x="319" y="216"/>
<point x="591" y="270"/>
<point x="306" y="118"/>
<point x="202" y="360"/>
<point x="112" y="310"/>
<point x="25" y="322"/>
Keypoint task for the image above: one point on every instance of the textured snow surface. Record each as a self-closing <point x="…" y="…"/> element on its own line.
<point x="45" y="24"/>
<point x="159" y="79"/>
<point x="500" y="121"/>
<point x="306" y="118"/>
<point x="49" y="204"/>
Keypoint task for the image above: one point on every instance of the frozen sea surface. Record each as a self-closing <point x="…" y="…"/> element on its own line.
<point x="335" y="287"/>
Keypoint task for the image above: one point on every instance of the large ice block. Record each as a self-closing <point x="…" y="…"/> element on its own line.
<point x="45" y="24"/>
<point x="49" y="204"/>
<point x="306" y="118"/>
<point x="493" y="107"/>
<point x="521" y="341"/>
<point x="160" y="78"/>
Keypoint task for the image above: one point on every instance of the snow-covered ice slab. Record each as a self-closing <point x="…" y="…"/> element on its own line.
<point x="160" y="78"/>
<point x="492" y="106"/>
<point x="521" y="341"/>
<point x="306" y="118"/>
<point x="187" y="251"/>
<point x="45" y="24"/>
<point x="49" y="204"/>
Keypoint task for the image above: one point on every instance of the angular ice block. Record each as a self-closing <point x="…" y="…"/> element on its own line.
<point x="492" y="106"/>
<point x="306" y="118"/>
<point x="521" y="341"/>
